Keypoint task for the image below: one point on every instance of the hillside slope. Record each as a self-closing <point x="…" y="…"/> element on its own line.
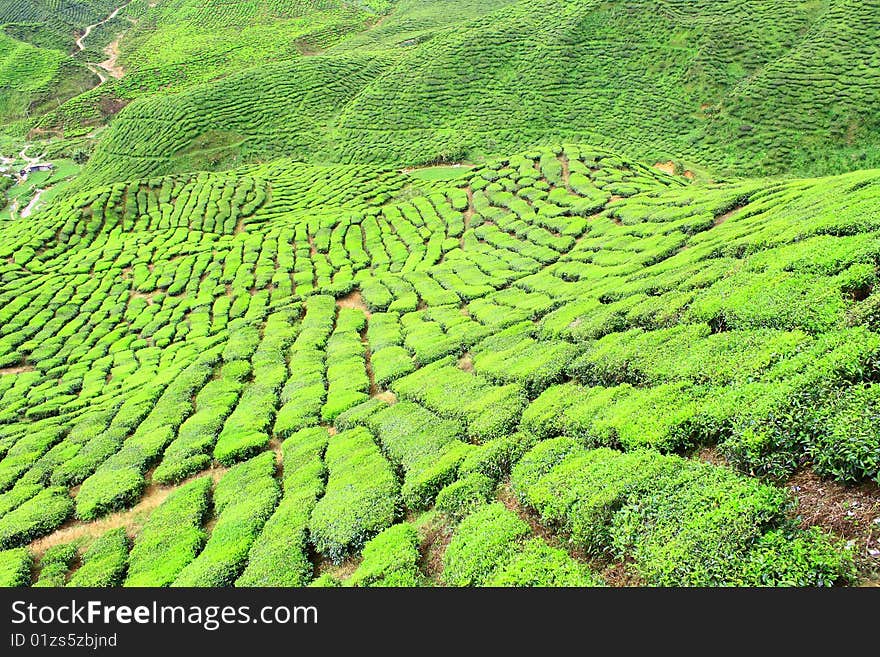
<point x="152" y="329"/>
<point x="733" y="87"/>
<point x="439" y="292"/>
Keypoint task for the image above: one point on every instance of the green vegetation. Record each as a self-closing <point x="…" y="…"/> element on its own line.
<point x="279" y="556"/>
<point x="684" y="523"/>
<point x="104" y="563"/>
<point x="243" y="501"/>
<point x="330" y="293"/>
<point x="40" y="515"/>
<point x="362" y="496"/>
<point x="55" y="564"/>
<point x="15" y="567"/>
<point x="171" y="538"/>
<point x="390" y="559"/>
<point x="490" y="548"/>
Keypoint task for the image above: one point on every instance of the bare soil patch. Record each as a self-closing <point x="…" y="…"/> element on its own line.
<point x="17" y="369"/>
<point x="354" y="299"/>
<point x="435" y="538"/>
<point x="669" y="168"/>
<point x="566" y="171"/>
<point x="666" y="167"/>
<point x="468" y="215"/>
<point x="721" y="218"/>
<point x="339" y="571"/>
<point x="710" y="455"/>
<point x="147" y="296"/>
<point x="111" y="106"/>
<point x="387" y="396"/>
<point x="111" y="64"/>
<point x="851" y="512"/>
<point x="131" y="519"/>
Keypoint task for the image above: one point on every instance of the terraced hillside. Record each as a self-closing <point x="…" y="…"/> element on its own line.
<point x="560" y="368"/>
<point x="734" y="87"/>
<point x="51" y="23"/>
<point x="439" y="292"/>
<point x="725" y="87"/>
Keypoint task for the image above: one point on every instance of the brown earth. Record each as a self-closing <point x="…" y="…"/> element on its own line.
<point x="17" y="369"/>
<point x="720" y="219"/>
<point x="851" y="512"/>
<point x="354" y="299"/>
<point x="387" y="397"/>
<point x="435" y="538"/>
<point x="669" y="168"/>
<point x="131" y="519"/>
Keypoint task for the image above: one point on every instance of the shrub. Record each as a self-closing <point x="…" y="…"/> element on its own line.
<point x="391" y="363"/>
<point x="16" y="496"/>
<point x="538" y="564"/>
<point x="846" y="446"/>
<point x="482" y="541"/>
<point x="362" y="495"/>
<point x="40" y="515"/>
<point x="188" y="453"/>
<point x="172" y="536"/>
<point x="496" y="457"/>
<point x="104" y="563"/>
<point x="489" y="411"/>
<point x="24" y="453"/>
<point x="243" y="500"/>
<point x="359" y="414"/>
<point x="424" y="482"/>
<point x="54" y="565"/>
<point x="684" y="523"/>
<point x="464" y="496"/>
<point x="119" y="481"/>
<point x="279" y="555"/>
<point x="424" y="445"/>
<point x="792" y="558"/>
<point x="15" y="567"/>
<point x="325" y="581"/>
<point x="390" y="559"/>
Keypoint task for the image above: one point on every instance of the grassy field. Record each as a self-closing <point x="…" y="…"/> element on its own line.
<point x="471" y="293"/>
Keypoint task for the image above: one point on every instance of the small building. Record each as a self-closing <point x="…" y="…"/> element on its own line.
<point x="48" y="166"/>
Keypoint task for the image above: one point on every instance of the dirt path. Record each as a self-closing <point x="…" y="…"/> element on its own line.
<point x="354" y="299"/>
<point x="566" y="171"/>
<point x="666" y="167"/>
<point x="113" y="14"/>
<point x="615" y="573"/>
<point x="669" y="169"/>
<point x="17" y="369"/>
<point x="468" y="215"/>
<point x="721" y="218"/>
<point x="131" y="519"/>
<point x="109" y="66"/>
<point x="29" y="208"/>
<point x="97" y="70"/>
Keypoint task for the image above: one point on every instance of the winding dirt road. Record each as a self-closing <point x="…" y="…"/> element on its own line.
<point x="113" y="14"/>
<point x="29" y="208"/>
<point x="109" y="66"/>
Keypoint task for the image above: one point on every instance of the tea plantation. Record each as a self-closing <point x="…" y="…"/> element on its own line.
<point x="261" y="338"/>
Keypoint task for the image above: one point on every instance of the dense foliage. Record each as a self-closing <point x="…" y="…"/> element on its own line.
<point x="244" y="347"/>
